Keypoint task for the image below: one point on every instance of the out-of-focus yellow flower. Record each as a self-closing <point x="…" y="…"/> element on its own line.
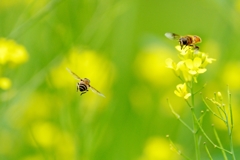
<point x="65" y="146"/>
<point x="184" y="71"/>
<point x="206" y="60"/>
<point x="182" y="91"/>
<point x="194" y="66"/>
<point x="230" y="75"/>
<point x="45" y="134"/>
<point x="172" y="65"/>
<point x="5" y="83"/>
<point x="11" y="52"/>
<point x="150" y="65"/>
<point x="157" y="148"/>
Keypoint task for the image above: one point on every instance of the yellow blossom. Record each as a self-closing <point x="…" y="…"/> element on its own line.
<point x="193" y="62"/>
<point x="183" y="51"/>
<point x="186" y="51"/>
<point x="185" y="71"/>
<point x="172" y="65"/>
<point x="206" y="60"/>
<point x="181" y="91"/>
<point x="194" y="66"/>
<point x="12" y="52"/>
<point x="5" y="83"/>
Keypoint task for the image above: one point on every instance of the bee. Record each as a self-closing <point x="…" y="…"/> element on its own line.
<point x="84" y="84"/>
<point x="188" y="40"/>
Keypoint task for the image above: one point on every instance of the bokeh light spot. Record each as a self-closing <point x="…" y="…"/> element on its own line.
<point x="157" y="148"/>
<point x="150" y="65"/>
<point x="231" y="76"/>
<point x="11" y="52"/>
<point x="5" y="83"/>
<point x="45" y="133"/>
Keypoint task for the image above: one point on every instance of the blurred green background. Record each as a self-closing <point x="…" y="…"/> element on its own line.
<point x="120" y="46"/>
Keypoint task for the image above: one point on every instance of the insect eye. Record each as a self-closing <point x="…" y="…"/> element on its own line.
<point x="184" y="41"/>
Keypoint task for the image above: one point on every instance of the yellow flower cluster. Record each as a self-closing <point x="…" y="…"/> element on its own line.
<point x="192" y="63"/>
<point x="13" y="54"/>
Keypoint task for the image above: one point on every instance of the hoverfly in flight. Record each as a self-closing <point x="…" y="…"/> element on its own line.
<point x="84" y="84"/>
<point x="188" y="40"/>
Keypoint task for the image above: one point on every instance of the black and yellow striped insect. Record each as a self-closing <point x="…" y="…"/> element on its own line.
<point x="84" y="84"/>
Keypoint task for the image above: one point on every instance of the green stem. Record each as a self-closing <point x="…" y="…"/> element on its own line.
<point x="231" y="147"/>
<point x="195" y="126"/>
<point x="209" y="155"/>
<point x="230" y="108"/>
<point x="209" y="108"/>
<point x="179" y="118"/>
<point x="175" y="149"/>
<point x="196" y="138"/>
<point x="206" y="136"/>
<point x="219" y="143"/>
<point x="230" y="128"/>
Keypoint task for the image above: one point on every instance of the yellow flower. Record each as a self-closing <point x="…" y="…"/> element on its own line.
<point x="194" y="66"/>
<point x="206" y="60"/>
<point x="5" y="83"/>
<point x="4" y="56"/>
<point x="181" y="91"/>
<point x="184" y="70"/>
<point x="12" y="52"/>
<point x="193" y="62"/>
<point x="172" y="65"/>
<point x="186" y="51"/>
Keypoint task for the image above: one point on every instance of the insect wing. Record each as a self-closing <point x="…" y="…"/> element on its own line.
<point x="96" y="91"/>
<point x="73" y="74"/>
<point x="172" y="36"/>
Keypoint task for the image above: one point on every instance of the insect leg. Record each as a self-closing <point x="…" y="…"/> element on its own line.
<point x="83" y="92"/>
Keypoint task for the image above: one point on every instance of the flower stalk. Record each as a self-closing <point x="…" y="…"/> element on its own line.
<point x="191" y="65"/>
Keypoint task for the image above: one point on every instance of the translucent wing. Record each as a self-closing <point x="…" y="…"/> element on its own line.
<point x="172" y="36"/>
<point x="73" y="74"/>
<point x="96" y="91"/>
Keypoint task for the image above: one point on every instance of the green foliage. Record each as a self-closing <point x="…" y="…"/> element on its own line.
<point x="120" y="46"/>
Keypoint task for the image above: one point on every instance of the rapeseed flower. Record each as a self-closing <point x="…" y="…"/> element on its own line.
<point x="192" y="63"/>
<point x="5" y="83"/>
<point x="11" y="52"/>
<point x="181" y="91"/>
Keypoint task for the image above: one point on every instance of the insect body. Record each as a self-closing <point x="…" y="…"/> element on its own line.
<point x="84" y="84"/>
<point x="188" y="40"/>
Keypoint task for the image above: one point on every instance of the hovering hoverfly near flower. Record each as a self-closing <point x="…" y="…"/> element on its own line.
<point x="84" y="84"/>
<point x="188" y="40"/>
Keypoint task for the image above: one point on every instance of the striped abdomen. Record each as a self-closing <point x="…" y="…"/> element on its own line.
<point x="82" y="87"/>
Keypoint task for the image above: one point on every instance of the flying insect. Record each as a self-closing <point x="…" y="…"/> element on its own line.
<point x="84" y="84"/>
